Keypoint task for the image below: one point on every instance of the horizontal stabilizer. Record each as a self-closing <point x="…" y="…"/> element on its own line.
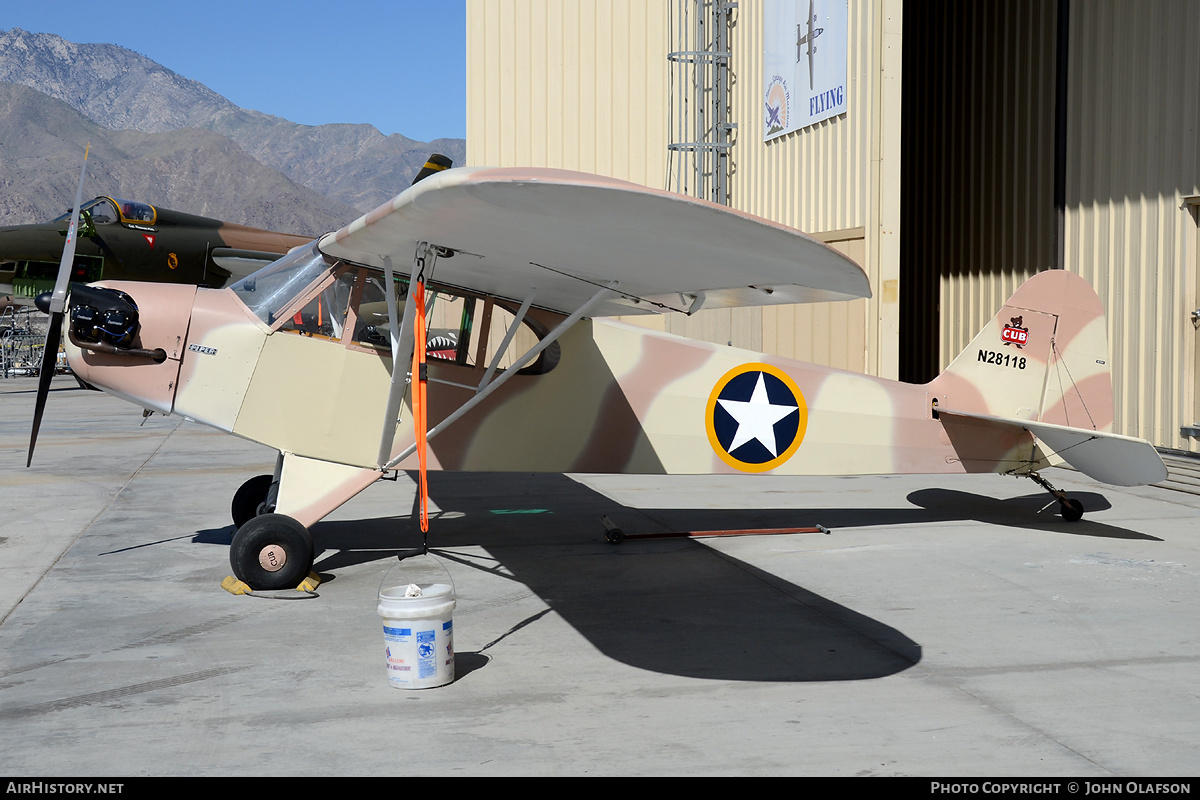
<point x="1106" y="457"/>
<point x="241" y="263"/>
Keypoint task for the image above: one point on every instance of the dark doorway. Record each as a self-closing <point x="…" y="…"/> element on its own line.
<point x="978" y="166"/>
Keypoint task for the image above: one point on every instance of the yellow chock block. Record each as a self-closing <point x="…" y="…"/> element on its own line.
<point x="310" y="583"/>
<point x="234" y="586"/>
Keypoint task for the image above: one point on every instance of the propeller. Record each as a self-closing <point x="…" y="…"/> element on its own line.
<point x="58" y="302"/>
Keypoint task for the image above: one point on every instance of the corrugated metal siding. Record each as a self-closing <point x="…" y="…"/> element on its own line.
<point x="1134" y="154"/>
<point x="569" y="85"/>
<point x="821" y="179"/>
<point x="584" y="86"/>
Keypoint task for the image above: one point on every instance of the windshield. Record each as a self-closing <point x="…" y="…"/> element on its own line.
<point x="101" y="209"/>
<point x="270" y="290"/>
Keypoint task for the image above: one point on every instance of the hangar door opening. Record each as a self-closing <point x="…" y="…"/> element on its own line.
<point x="977" y="169"/>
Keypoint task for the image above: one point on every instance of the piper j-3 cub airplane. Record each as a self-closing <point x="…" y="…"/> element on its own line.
<point x="515" y="274"/>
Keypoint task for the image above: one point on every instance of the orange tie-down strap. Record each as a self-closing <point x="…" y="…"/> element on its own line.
<point x="419" y="401"/>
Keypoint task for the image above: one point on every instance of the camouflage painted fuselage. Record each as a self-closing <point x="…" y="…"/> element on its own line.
<point x="621" y="399"/>
<point x="170" y="247"/>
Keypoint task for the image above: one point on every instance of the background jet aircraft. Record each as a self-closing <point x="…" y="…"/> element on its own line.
<point x="128" y="240"/>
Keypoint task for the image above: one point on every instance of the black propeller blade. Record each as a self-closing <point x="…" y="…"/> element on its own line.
<point x="56" y="306"/>
<point x="49" y="361"/>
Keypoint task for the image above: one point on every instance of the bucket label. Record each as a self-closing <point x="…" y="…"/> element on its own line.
<point x="395" y="664"/>
<point x="426" y="654"/>
<point x="396" y="634"/>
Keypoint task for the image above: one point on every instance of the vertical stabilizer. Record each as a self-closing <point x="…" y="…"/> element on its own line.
<point x="1043" y="357"/>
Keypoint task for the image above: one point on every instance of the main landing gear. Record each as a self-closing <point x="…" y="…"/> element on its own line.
<point x="269" y="551"/>
<point x="1070" y="508"/>
<point x="252" y="499"/>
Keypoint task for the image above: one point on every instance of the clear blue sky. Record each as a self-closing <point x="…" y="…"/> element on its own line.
<point x="398" y="65"/>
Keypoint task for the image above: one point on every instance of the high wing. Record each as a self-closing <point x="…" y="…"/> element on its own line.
<point x="569" y="233"/>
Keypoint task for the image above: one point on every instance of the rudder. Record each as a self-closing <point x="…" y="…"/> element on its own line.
<point x="1044" y="357"/>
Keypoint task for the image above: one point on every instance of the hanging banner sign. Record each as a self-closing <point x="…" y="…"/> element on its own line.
<point x="804" y="63"/>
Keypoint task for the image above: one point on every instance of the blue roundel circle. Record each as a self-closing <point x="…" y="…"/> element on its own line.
<point x="756" y="417"/>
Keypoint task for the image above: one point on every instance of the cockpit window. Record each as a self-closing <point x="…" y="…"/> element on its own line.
<point x="134" y="212"/>
<point x="448" y="325"/>
<point x="273" y="288"/>
<point x="447" y="320"/>
<point x="371" y="327"/>
<point x="324" y="316"/>
<point x="101" y="210"/>
<point x="302" y="293"/>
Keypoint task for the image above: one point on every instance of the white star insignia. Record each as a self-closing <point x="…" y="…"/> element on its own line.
<point x="756" y="418"/>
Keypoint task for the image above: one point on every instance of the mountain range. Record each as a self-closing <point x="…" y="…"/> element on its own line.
<point x="159" y="137"/>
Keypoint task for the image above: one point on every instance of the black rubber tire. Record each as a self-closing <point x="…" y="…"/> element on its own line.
<point x="248" y="498"/>
<point x="614" y="535"/>
<point x="1071" y="510"/>
<point x="261" y="532"/>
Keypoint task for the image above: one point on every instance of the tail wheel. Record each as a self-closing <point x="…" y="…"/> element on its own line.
<point x="248" y="499"/>
<point x="1071" y="509"/>
<point x="271" y="551"/>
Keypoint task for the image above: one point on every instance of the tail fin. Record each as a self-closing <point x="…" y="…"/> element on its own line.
<point x="1034" y="389"/>
<point x="436" y="163"/>
<point x="1043" y="357"/>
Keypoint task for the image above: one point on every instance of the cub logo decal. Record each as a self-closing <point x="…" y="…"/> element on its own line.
<point x="1014" y="333"/>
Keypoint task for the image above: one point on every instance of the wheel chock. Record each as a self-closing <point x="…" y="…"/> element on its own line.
<point x="234" y="586"/>
<point x="310" y="583"/>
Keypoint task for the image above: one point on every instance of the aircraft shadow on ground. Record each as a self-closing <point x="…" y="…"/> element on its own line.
<point x="667" y="605"/>
<point x="672" y="605"/>
<point x="1033" y="511"/>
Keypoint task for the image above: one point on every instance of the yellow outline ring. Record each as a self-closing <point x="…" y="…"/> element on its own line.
<point x="756" y="417"/>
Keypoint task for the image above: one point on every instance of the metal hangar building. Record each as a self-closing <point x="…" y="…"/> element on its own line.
<point x="952" y="148"/>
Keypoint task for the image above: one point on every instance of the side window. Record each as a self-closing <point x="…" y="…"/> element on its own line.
<point x="448" y="327"/>
<point x="447" y="319"/>
<point x="498" y="322"/>
<point x="371" y="325"/>
<point x="325" y="315"/>
<point x="460" y="328"/>
<point x="493" y="325"/>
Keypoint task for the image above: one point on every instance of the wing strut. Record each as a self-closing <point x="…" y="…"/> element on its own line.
<point x="601" y="294"/>
<point x="402" y="342"/>
<point x="508" y="337"/>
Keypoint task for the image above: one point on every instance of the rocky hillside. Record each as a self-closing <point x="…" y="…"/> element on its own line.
<point x="164" y="136"/>
<point x="193" y="170"/>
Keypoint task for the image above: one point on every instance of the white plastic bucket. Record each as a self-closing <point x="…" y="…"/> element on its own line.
<point x="418" y="635"/>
